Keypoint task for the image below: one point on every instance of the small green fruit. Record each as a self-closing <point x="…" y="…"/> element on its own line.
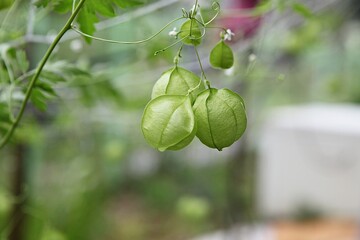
<point x="220" y="116"/>
<point x="221" y="56"/>
<point x="190" y="32"/>
<point x="177" y="81"/>
<point x="168" y="122"/>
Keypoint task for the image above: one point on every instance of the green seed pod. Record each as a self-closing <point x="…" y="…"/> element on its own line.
<point x="190" y="31"/>
<point x="221" y="56"/>
<point x="220" y="116"/>
<point x="177" y="81"/>
<point x="168" y="122"/>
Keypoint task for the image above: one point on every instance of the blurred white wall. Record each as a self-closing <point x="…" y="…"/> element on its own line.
<point x="310" y="155"/>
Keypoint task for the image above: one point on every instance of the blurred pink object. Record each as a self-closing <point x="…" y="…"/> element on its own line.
<point x="242" y="26"/>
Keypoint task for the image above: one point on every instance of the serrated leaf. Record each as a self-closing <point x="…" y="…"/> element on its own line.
<point x="62" y="71"/>
<point x="4" y="76"/>
<point x="5" y="4"/>
<point x="42" y="3"/>
<point x="22" y="61"/>
<point x="46" y="88"/>
<point x="302" y="10"/>
<point x="38" y="98"/>
<point x="52" y="76"/>
<point x="87" y="19"/>
<point x="105" y="8"/>
<point x="16" y="60"/>
<point x="129" y="3"/>
<point x="88" y="15"/>
<point x="221" y="56"/>
<point x="62" y="6"/>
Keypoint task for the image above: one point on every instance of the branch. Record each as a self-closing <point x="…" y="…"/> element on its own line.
<point x="40" y="67"/>
<point x="31" y="19"/>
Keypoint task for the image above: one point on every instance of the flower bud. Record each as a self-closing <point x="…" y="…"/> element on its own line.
<point x="168" y="122"/>
<point x="220" y="116"/>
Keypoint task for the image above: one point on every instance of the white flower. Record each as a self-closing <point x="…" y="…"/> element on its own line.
<point x="252" y="57"/>
<point x="228" y="34"/>
<point x="173" y="33"/>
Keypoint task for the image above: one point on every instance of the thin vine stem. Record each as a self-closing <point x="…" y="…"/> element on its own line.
<point x="171" y="45"/>
<point x="215" y="7"/>
<point x="40" y="67"/>
<point x="178" y="55"/>
<point x="126" y="42"/>
<point x="201" y="68"/>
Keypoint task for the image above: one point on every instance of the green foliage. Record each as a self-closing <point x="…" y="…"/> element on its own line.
<point x="302" y="9"/>
<point x="193" y="208"/>
<point x="220" y="116"/>
<point x="13" y="63"/>
<point x="5" y="4"/>
<point x="92" y="9"/>
<point x="221" y="56"/>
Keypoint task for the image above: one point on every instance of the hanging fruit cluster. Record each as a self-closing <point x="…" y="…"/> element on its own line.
<point x="181" y="107"/>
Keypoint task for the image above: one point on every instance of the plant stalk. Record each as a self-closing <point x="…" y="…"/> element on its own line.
<point x="40" y="67"/>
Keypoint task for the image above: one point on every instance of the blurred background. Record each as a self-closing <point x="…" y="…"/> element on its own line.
<point x="82" y="169"/>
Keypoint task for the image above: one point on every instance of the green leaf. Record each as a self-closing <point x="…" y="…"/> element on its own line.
<point x="302" y="10"/>
<point x="23" y="63"/>
<point x="46" y="88"/>
<point x="220" y="116"/>
<point x="168" y="122"/>
<point x="63" y="6"/>
<point x="42" y="3"/>
<point x="4" y="76"/>
<point x="129" y="3"/>
<point x="62" y="71"/>
<point x="221" y="56"/>
<point x="5" y="4"/>
<point x="15" y="59"/>
<point x="190" y="31"/>
<point x="38" y="98"/>
<point x="52" y="76"/>
<point x="177" y="81"/>
<point x="5" y="121"/>
<point x="87" y="17"/>
<point x="89" y="14"/>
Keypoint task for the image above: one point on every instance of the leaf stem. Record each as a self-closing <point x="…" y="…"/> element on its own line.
<point x="125" y="42"/>
<point x="178" y="55"/>
<point x="40" y="67"/>
<point x="201" y="67"/>
<point x="216" y="7"/>
<point x="171" y="45"/>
